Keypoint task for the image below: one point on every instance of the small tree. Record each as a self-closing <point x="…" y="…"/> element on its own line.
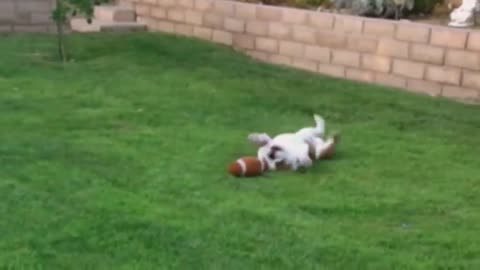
<point x="64" y="10"/>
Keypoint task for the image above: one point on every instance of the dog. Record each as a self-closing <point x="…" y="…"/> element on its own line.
<point x="293" y="150"/>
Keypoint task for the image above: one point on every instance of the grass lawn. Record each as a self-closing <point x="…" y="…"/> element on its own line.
<point x="118" y="160"/>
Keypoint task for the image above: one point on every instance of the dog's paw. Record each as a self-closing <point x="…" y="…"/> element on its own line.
<point x="302" y="170"/>
<point x="259" y="139"/>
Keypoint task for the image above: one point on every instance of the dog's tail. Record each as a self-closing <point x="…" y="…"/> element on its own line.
<point x="308" y="133"/>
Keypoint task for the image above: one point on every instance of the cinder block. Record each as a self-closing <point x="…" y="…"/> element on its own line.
<point x="321" y="21"/>
<point x="257" y="28"/>
<point x="166" y="3"/>
<point x="379" y="28"/>
<point x="22" y="18"/>
<point x="289" y="48"/>
<point x="5" y="29"/>
<point x="150" y="22"/>
<point x="304" y="34"/>
<point x="164" y="26"/>
<point x="413" y="32"/>
<point x="176" y="15"/>
<point x="121" y="3"/>
<point x="186" y="3"/>
<point x="243" y="41"/>
<point x="304" y="64"/>
<point x="266" y="45"/>
<point x="463" y="59"/>
<point x="269" y="13"/>
<point x="390" y="80"/>
<point x="376" y="63"/>
<point x="294" y="16"/>
<point x="262" y="56"/>
<point x="213" y="20"/>
<point x="408" y="69"/>
<point x="32" y="6"/>
<point x="203" y="5"/>
<point x="426" y="53"/>
<point x="193" y="17"/>
<point x="346" y="58"/>
<point x="348" y="24"/>
<point x="362" y="44"/>
<point x="30" y="28"/>
<point x="115" y="13"/>
<point x="183" y="29"/>
<point x="320" y="54"/>
<point x="225" y="8"/>
<point x="331" y="70"/>
<point x="142" y="10"/>
<point x="40" y="18"/>
<point x="424" y="87"/>
<point x="443" y="74"/>
<point x="474" y="41"/>
<point x="234" y="25"/>
<point x="460" y="93"/>
<point x="394" y="48"/>
<point x="7" y="11"/>
<point x="202" y="32"/>
<point x="150" y="2"/>
<point x="448" y="37"/>
<point x="471" y="79"/>
<point x="278" y="59"/>
<point x="245" y="11"/>
<point x="359" y="75"/>
<point x="222" y="37"/>
<point x="159" y="13"/>
<point x="279" y="30"/>
<point x="331" y="39"/>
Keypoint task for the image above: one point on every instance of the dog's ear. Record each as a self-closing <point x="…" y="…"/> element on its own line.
<point x="259" y="139"/>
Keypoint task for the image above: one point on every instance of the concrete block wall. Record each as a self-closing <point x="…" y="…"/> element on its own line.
<point x="26" y="16"/>
<point x="434" y="60"/>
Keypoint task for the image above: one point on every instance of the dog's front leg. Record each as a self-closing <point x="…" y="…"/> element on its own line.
<point x="300" y="166"/>
<point x="305" y="162"/>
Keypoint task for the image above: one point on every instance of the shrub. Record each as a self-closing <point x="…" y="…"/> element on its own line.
<point x="425" y="6"/>
<point x="291" y="3"/>
<point x="420" y="6"/>
<point x="64" y="10"/>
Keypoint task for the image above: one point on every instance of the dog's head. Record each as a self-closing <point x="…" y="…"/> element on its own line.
<point x="268" y="151"/>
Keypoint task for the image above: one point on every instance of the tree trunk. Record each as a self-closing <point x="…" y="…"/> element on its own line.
<point x="61" y="43"/>
<point x="60" y="20"/>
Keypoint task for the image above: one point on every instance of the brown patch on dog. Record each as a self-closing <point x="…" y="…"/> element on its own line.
<point x="273" y="151"/>
<point x="330" y="151"/>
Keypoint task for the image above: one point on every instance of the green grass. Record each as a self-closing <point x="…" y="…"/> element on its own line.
<point x="118" y="160"/>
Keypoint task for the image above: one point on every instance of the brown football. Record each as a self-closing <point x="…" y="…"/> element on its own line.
<point x="247" y="167"/>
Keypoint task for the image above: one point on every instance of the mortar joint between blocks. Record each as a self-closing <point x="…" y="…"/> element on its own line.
<point x="462" y="74"/>
<point x="465" y="43"/>
<point x="444" y="56"/>
<point x="362" y="26"/>
<point x="429" y="35"/>
<point x="390" y="68"/>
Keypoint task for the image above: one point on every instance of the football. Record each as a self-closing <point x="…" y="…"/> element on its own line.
<point x="247" y="167"/>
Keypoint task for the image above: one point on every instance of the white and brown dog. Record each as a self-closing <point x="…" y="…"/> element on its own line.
<point x="294" y="150"/>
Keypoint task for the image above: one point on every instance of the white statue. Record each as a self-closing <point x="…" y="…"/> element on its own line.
<point x="464" y="15"/>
